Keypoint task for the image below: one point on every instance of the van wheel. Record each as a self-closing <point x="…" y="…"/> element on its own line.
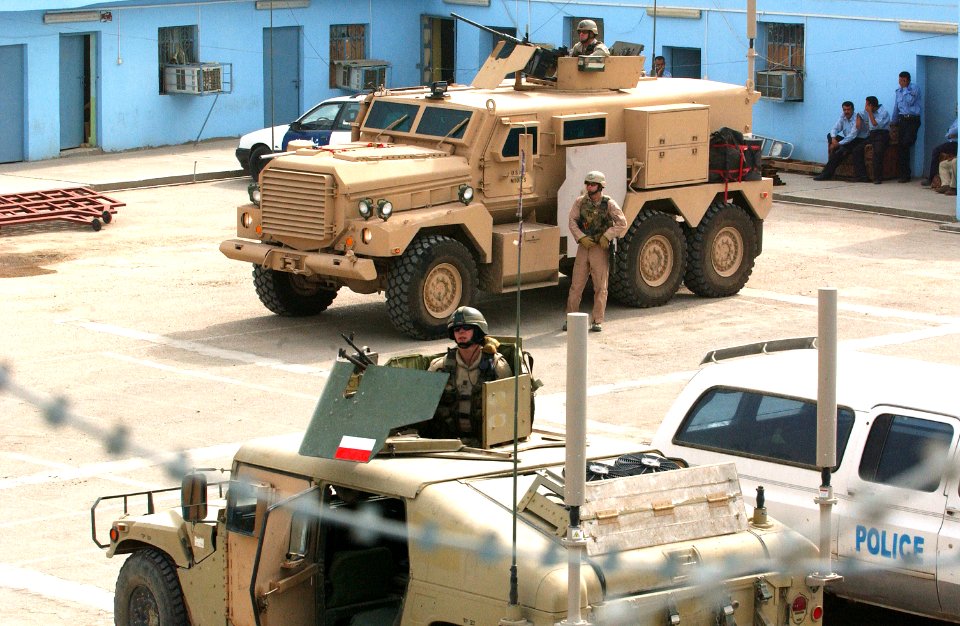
<point x="291" y="295"/>
<point x="256" y="164"/>
<point x="722" y="251"/>
<point x="648" y="267"/>
<point x="148" y="592"/>
<point x="435" y="275"/>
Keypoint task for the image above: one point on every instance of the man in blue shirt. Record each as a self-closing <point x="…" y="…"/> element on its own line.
<point x="948" y="147"/>
<point x="906" y="117"/>
<point x="876" y="121"/>
<point x="845" y="137"/>
<point x="660" y="68"/>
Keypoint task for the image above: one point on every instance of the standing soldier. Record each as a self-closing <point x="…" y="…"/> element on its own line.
<point x="588" y="45"/>
<point x="595" y="220"/>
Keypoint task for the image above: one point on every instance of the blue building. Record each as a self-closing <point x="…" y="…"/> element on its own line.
<point x="125" y="74"/>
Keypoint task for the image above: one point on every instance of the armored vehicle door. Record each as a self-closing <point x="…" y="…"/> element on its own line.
<point x="285" y="572"/>
<point x="513" y="137"/>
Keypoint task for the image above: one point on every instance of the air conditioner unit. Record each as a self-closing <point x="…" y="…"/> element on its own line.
<point x="783" y="85"/>
<point x="193" y="78"/>
<point x="361" y="74"/>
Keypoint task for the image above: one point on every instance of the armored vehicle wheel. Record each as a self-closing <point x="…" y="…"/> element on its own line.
<point x="148" y="592"/>
<point x="722" y="251"/>
<point x="435" y="275"/>
<point x="291" y="295"/>
<point x="256" y="164"/>
<point x="648" y="267"/>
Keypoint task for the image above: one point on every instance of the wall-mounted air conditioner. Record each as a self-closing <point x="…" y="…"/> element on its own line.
<point x="361" y="74"/>
<point x="195" y="78"/>
<point x="783" y="85"/>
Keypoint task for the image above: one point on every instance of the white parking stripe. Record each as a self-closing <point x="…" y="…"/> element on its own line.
<point x="23" y="458"/>
<point x="853" y="308"/>
<point x="200" y="348"/>
<point x="211" y="377"/>
<point x="20" y="579"/>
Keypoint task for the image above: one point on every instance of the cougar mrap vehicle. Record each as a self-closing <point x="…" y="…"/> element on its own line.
<point x="428" y="202"/>
<point x="361" y="522"/>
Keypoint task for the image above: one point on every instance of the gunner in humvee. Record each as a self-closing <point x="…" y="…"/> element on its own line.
<point x="472" y="362"/>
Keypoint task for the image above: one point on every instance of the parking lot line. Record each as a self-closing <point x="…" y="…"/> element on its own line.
<point x="20" y="579"/>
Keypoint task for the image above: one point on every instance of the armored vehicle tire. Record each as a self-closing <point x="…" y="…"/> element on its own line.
<point x="722" y="251"/>
<point x="648" y="267"/>
<point x="148" y="592"/>
<point x="435" y="275"/>
<point x="255" y="165"/>
<point x="291" y="295"/>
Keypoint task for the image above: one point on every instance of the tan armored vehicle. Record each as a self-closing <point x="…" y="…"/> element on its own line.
<point x="354" y="524"/>
<point x="441" y="184"/>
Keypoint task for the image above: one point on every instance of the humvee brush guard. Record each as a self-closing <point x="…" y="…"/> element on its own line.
<point x="428" y="202"/>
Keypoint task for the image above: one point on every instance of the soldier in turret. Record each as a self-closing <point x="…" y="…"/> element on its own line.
<point x="472" y="362"/>
<point x="589" y="45"/>
<point x="595" y="220"/>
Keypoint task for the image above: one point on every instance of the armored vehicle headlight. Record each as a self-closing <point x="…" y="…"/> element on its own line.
<point x="366" y="234"/>
<point x="246" y="220"/>
<point x="384" y="209"/>
<point x="365" y="207"/>
<point x="466" y="194"/>
<point x="253" y="192"/>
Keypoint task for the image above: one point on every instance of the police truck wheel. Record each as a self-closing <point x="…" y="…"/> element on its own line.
<point x="291" y="295"/>
<point x="256" y="164"/>
<point x="722" y="251"/>
<point x="435" y="275"/>
<point x="148" y="592"/>
<point x="648" y="267"/>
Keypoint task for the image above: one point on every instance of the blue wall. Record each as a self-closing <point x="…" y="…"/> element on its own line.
<point x="853" y="48"/>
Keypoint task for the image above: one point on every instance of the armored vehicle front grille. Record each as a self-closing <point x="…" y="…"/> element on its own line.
<point x="294" y="204"/>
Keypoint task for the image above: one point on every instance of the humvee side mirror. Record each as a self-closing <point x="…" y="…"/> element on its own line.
<point x="193" y="497"/>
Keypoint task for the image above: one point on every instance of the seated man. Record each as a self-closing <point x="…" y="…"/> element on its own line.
<point x="948" y="177"/>
<point x="471" y="363"/>
<point x="949" y="147"/>
<point x="845" y="137"/>
<point x="875" y="120"/>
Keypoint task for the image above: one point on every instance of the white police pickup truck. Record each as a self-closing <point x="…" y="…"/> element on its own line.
<point x="896" y="524"/>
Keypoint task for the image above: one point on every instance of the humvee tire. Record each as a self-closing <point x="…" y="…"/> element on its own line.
<point x="649" y="264"/>
<point x="722" y="249"/>
<point x="148" y="592"/>
<point x="291" y="295"/>
<point x="435" y="275"/>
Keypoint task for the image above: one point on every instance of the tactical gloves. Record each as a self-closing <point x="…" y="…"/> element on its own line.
<point x="604" y="242"/>
<point x="586" y="242"/>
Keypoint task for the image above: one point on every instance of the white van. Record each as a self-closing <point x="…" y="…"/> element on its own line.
<point x="896" y="524"/>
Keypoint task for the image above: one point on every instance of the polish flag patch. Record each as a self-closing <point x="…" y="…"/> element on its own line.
<point x="355" y="449"/>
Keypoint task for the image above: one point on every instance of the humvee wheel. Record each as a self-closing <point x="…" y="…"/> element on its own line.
<point x="722" y="251"/>
<point x="256" y="164"/>
<point x="148" y="592"/>
<point x="291" y="295"/>
<point x="648" y="267"/>
<point x="435" y="275"/>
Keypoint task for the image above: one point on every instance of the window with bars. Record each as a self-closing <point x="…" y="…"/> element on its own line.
<point x="781" y="68"/>
<point x="177" y="45"/>
<point x="347" y="42"/>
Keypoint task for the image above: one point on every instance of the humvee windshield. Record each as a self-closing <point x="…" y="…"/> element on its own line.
<point x="383" y="114"/>
<point x="438" y="121"/>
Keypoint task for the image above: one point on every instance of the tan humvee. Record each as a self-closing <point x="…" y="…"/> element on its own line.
<point x="351" y="524"/>
<point x="428" y="202"/>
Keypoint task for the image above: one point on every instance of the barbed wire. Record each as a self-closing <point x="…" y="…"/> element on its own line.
<point x="369" y="526"/>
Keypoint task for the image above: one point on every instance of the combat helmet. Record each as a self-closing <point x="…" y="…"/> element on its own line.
<point x="595" y="177"/>
<point x="588" y="25"/>
<point x="468" y="316"/>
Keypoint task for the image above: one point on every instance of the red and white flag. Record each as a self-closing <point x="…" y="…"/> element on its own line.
<point x="355" y="448"/>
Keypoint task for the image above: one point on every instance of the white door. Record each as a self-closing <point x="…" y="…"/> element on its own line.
<point x="948" y="547"/>
<point x="888" y="533"/>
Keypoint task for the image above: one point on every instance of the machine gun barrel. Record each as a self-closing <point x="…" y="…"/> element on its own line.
<point x="492" y="31"/>
<point x="361" y="355"/>
<point x="360" y="365"/>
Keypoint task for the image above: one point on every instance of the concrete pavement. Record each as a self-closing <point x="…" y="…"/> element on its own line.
<point x="214" y="159"/>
